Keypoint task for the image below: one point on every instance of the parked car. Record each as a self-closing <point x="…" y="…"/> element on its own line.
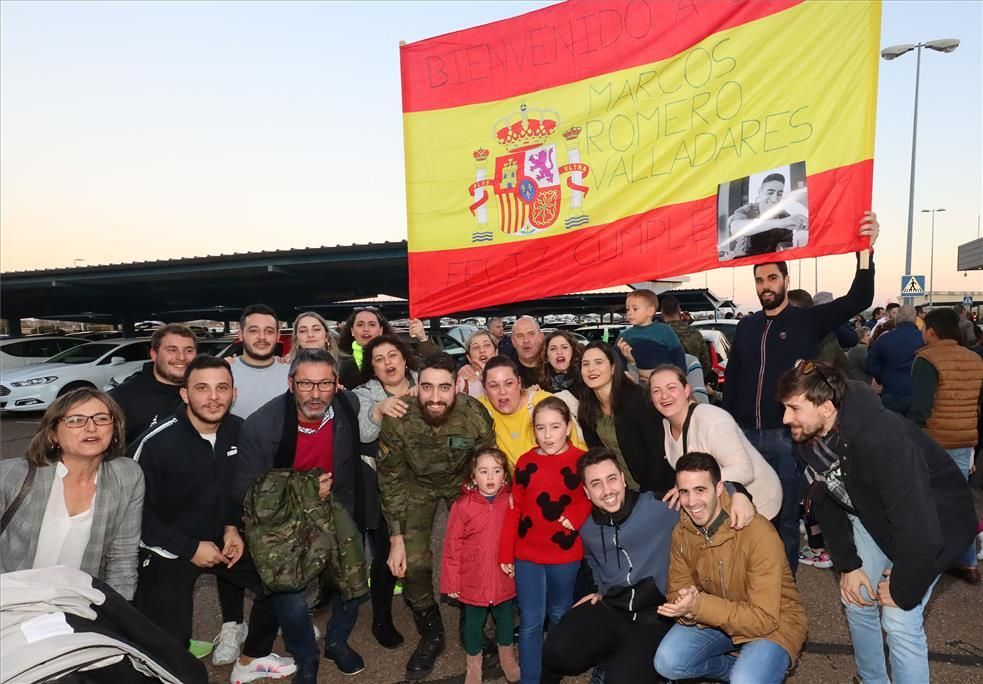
<point x="33" y="388"/>
<point x="728" y="326"/>
<point x="98" y="335"/>
<point x="581" y="340"/>
<point x="18" y="352"/>
<point x="718" y="347"/>
<point x="607" y="332"/>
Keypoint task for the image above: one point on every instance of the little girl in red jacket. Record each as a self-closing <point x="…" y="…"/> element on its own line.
<point x="469" y="570"/>
<point x="540" y="544"/>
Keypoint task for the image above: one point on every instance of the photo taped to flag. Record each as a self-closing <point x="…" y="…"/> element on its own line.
<point x="587" y="144"/>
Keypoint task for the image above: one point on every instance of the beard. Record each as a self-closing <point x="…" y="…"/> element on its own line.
<point x="774" y="303"/>
<point x="257" y="355"/>
<point x="436" y="421"/>
<point x="206" y="418"/>
<point x="164" y="372"/>
<point x="311" y="413"/>
<point x="806" y="436"/>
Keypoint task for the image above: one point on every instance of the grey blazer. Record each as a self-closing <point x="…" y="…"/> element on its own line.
<point x="111" y="554"/>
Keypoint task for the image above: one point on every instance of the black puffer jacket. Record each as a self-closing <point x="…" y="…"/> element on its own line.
<point x="906" y="490"/>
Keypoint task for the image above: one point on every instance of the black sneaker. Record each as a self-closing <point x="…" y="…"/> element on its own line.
<point x="348" y="661"/>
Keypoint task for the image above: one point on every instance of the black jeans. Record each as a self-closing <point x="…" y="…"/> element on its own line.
<point x="165" y="594"/>
<point x="589" y="635"/>
<point x="381" y="580"/>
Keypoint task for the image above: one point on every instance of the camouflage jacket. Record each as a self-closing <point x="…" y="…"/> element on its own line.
<point x="692" y="342"/>
<point x="294" y="537"/>
<point x="415" y="456"/>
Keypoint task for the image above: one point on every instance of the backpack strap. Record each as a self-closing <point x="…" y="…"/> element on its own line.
<point x="25" y="487"/>
<point x="689" y="417"/>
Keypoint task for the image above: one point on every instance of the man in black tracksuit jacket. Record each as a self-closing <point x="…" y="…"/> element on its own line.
<point x="152" y="394"/>
<point x="894" y="508"/>
<point x="190" y="516"/>
<point x="768" y="343"/>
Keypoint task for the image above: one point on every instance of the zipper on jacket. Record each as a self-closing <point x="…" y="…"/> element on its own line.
<point x="720" y="571"/>
<point x="761" y="377"/>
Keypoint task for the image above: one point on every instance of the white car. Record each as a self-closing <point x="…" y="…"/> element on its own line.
<point x="728" y="326"/>
<point x="88" y="365"/>
<point x="26" y="351"/>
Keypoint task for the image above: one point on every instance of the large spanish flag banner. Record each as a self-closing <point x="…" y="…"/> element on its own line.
<point x="602" y="142"/>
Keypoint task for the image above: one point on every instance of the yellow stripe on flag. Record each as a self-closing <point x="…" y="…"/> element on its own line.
<point x="761" y="95"/>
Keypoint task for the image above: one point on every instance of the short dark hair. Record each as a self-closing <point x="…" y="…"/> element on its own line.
<point x="311" y="356"/>
<point x="800" y="299"/>
<point x="774" y="177"/>
<point x="595" y="456"/>
<point x="647" y="296"/>
<point x="892" y="306"/>
<point x="944" y="322"/>
<point x="817" y="381"/>
<point x="699" y="462"/>
<point x="670" y="305"/>
<point x="261" y="309"/>
<point x="440" y="361"/>
<point x="877" y="310"/>
<point x="171" y="329"/>
<point x="782" y="267"/>
<point x="919" y="308"/>
<point x="368" y="372"/>
<point x="203" y="361"/>
<point x="499" y="361"/>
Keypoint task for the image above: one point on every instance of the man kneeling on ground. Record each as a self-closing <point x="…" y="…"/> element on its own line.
<point x="738" y="609"/>
<point x="626" y="544"/>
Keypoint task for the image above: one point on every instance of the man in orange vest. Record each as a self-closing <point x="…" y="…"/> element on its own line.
<point x="945" y="384"/>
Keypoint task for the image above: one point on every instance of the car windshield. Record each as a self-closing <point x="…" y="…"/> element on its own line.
<point x="84" y="353"/>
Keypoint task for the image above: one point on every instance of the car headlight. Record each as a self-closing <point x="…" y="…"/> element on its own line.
<point x="46" y="380"/>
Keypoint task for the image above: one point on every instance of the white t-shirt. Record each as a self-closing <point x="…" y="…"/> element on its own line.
<point x="256" y="386"/>
<point x="713" y="431"/>
<point x="63" y="537"/>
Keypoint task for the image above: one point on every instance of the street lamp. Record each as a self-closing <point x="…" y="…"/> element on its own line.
<point x="893" y="52"/>
<point x="931" y="258"/>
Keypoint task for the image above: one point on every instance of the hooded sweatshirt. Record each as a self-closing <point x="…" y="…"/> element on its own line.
<point x="145" y="400"/>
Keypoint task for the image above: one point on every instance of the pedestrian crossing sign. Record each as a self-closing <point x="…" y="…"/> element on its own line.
<point x="912" y="285"/>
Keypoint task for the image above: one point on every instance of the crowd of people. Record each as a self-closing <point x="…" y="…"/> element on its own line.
<point x="634" y="529"/>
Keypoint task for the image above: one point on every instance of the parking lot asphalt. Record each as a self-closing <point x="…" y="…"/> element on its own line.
<point x="953" y="619"/>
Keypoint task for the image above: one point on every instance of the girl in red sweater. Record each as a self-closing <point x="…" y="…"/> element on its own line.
<point x="540" y="545"/>
<point x="469" y="570"/>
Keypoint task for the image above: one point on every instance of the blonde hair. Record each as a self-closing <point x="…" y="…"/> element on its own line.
<point x="330" y="343"/>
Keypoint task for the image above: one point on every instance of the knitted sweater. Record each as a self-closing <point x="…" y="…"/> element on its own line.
<point x="546" y="488"/>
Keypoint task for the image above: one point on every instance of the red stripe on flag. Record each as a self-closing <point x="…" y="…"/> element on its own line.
<point x="568" y="42"/>
<point x="664" y="242"/>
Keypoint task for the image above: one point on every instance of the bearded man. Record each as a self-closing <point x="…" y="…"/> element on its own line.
<point x="768" y="343"/>
<point x="424" y="457"/>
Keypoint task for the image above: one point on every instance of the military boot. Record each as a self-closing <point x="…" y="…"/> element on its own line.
<point x="431" y="645"/>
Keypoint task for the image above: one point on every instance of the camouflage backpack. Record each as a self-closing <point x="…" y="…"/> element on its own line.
<point x="294" y="537"/>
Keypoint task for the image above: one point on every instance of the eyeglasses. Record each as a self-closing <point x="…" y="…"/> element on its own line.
<point x="809" y="367"/>
<point x="79" y="421"/>
<point x="373" y="309"/>
<point x="308" y="385"/>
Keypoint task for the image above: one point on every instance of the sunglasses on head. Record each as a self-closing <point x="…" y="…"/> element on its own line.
<point x="373" y="309"/>
<point x="806" y="367"/>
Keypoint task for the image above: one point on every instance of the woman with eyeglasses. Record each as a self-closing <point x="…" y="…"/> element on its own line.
<point x="388" y="385"/>
<point x="72" y="501"/>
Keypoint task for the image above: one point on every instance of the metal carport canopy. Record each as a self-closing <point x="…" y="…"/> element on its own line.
<point x="325" y="279"/>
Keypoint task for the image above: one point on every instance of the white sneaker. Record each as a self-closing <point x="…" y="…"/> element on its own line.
<point x="267" y="667"/>
<point x="228" y="643"/>
<point x="979" y="538"/>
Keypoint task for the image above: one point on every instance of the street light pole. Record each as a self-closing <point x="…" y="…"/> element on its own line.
<point x="931" y="257"/>
<point x="893" y="52"/>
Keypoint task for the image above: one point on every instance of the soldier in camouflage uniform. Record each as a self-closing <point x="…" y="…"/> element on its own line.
<point x="423" y="458"/>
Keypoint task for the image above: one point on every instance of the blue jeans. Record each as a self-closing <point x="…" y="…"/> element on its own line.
<point x="690" y="652"/>
<point x="298" y="626"/>
<point x="964" y="459"/>
<point x="542" y="590"/>
<point x="775" y="445"/>
<point x="906" y="642"/>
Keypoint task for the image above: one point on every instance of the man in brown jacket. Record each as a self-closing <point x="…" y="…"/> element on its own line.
<point x="945" y="399"/>
<point x="730" y="590"/>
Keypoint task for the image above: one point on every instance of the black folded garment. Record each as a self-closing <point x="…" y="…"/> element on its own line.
<point x="640" y="600"/>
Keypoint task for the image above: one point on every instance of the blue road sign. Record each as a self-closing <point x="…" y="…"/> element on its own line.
<point x="912" y="285"/>
<point x="967" y="300"/>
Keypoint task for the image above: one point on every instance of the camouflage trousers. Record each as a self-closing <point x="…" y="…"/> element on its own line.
<point x="417" y="531"/>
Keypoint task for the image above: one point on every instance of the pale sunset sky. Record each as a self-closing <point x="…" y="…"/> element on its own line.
<point x="134" y="131"/>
